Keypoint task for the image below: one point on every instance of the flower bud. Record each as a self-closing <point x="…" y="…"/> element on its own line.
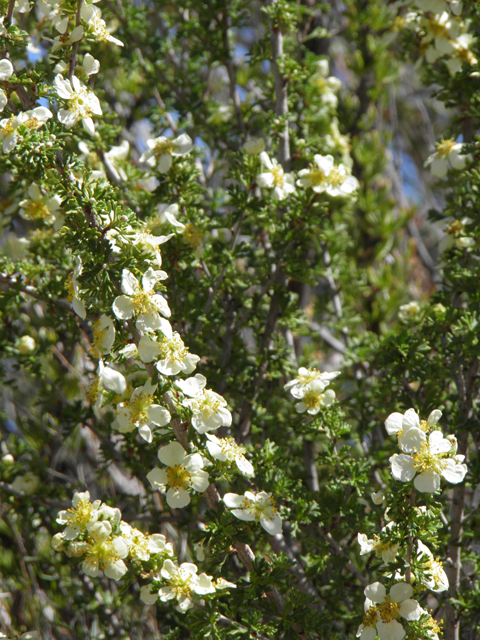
<point x="254" y="147"/>
<point x="26" y="345"/>
<point x="378" y="497"/>
<point x="322" y="67"/>
<point x="8" y="459"/>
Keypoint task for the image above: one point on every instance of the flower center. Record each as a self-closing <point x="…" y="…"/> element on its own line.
<point x="36" y="211"/>
<point x="79" y="104"/>
<point x="173" y="349"/>
<point x="81" y="515"/>
<point x="457" y="226"/>
<point x="425" y="460"/>
<point x="445" y="147"/>
<point x="163" y="147"/>
<point x="437" y="28"/>
<point x="231" y="449"/>
<point x="142" y="302"/>
<point x="6" y="127"/>
<point x="388" y="611"/>
<point x="178" y="477"/>
<point x="138" y="408"/>
<point x="336" y="177"/>
<point x="278" y="175"/>
<point x="370" y="617"/>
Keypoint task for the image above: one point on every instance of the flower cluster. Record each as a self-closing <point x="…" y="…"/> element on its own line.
<point x="442" y="33"/>
<point x="95" y="532"/>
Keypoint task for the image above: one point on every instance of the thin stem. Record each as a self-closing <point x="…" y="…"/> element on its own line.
<point x="73" y="58"/>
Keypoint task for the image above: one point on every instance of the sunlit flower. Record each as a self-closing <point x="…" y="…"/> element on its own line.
<point x="448" y="154"/>
<point x="430" y="462"/>
<point x="382" y="612"/>
<point x="300" y="385"/>
<point x="96" y="26"/>
<point x="385" y="550"/>
<point x="6" y="71"/>
<point x="162" y="150"/>
<point x="328" y="177"/>
<point x="141" y="413"/>
<point x="39" y="207"/>
<point x="435" y="578"/>
<point x="183" y="473"/>
<point x="227" y="450"/>
<point x="8" y="133"/>
<point x="209" y="409"/>
<point x="409" y="423"/>
<point x="283" y="184"/>
<point x="183" y="584"/>
<point x="104" y="553"/>
<point x="258" y="507"/>
<point x="65" y="39"/>
<point x="82" y="103"/>
<point x="461" y="53"/>
<point x="83" y="515"/>
<point x="103" y="336"/>
<point x="170" y="352"/>
<point x="141" y="300"/>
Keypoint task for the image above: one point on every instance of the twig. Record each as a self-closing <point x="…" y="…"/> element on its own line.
<point x="73" y="57"/>
<point x="340" y="552"/>
<point x="231" y="71"/>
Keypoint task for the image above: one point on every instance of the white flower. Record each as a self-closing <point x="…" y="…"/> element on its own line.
<point x="103" y="336"/>
<point x="96" y="26"/>
<point x="383" y="549"/>
<point x="315" y="398"/>
<point x="82" y="103"/>
<point x="436" y="579"/>
<point x="226" y="449"/>
<point x="8" y="134"/>
<point x="104" y="552"/>
<point x="83" y="515"/>
<point x="283" y="184"/>
<point x="430" y="462"/>
<point x="169" y="215"/>
<point x="6" y="71"/>
<point x="382" y="612"/>
<point x="448" y="154"/>
<point x="111" y="379"/>
<point x="328" y="177"/>
<point x="65" y="39"/>
<point x="208" y="408"/>
<point x="409" y="311"/>
<point x="409" y="423"/>
<point x="183" y="584"/>
<point x="184" y="472"/>
<point x="221" y="583"/>
<point x="35" y="118"/>
<point x="141" y="413"/>
<point x="147" y="596"/>
<point x="161" y="151"/>
<point x="173" y="356"/>
<point x="142" y="301"/>
<point x="462" y="53"/>
<point x="258" y="507"/>
<point x="90" y="66"/>
<point x="300" y="385"/>
<point x="39" y="207"/>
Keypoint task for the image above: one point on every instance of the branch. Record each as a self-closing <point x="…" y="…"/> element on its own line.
<point x="234" y="97"/>
<point x="281" y="103"/>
